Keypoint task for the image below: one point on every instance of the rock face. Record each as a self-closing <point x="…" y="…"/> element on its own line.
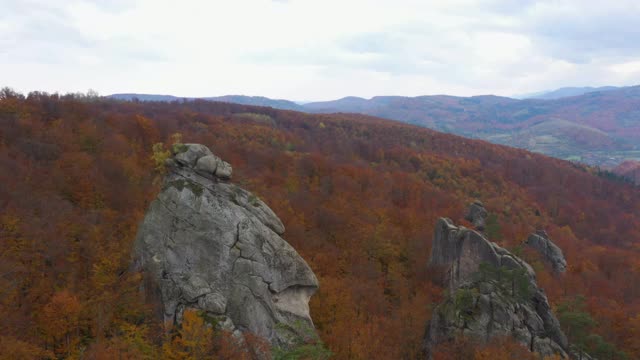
<point x="477" y="215"/>
<point x="491" y="293"/>
<point x="550" y="252"/>
<point x="208" y="245"/>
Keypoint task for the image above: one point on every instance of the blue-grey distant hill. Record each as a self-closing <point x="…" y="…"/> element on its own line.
<point x="237" y="99"/>
<point x="145" y="97"/>
<point x="566" y="92"/>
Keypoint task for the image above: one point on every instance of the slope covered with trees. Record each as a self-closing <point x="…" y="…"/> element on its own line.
<point x="598" y="128"/>
<point x="629" y="170"/>
<point x="359" y="197"/>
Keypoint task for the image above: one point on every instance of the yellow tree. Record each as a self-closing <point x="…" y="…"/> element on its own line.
<point x="59" y="320"/>
<point x="193" y="341"/>
<point x="12" y="348"/>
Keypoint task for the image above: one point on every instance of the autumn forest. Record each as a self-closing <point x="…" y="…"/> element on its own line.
<point x="359" y="197"/>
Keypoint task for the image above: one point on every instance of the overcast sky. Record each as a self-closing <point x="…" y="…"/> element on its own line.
<point x="318" y="49"/>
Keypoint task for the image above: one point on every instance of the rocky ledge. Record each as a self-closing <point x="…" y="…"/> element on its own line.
<point x="208" y="245"/>
<point x="477" y="215"/>
<point x="549" y="251"/>
<point x="491" y="293"/>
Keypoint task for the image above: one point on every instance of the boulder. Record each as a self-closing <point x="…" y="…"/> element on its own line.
<point x="477" y="215"/>
<point x="224" y="170"/>
<point x="207" y="164"/>
<point x="188" y="154"/>
<point x="199" y="159"/>
<point x="491" y="293"/>
<point x="549" y="251"/>
<point x="214" y="247"/>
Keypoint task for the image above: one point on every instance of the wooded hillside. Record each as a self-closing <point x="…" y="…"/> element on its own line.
<point x="359" y="197"/>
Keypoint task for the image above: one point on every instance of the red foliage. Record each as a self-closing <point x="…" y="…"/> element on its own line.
<point x="629" y="169"/>
<point x="358" y="195"/>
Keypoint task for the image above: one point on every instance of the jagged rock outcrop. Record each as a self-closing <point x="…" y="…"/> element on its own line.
<point x="550" y="252"/>
<point x="477" y="215"/>
<point x="491" y="293"/>
<point x="208" y="245"/>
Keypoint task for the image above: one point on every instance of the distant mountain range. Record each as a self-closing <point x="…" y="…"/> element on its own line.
<point x="236" y="99"/>
<point x="600" y="127"/>
<point x="629" y="169"/>
<point x="565" y="92"/>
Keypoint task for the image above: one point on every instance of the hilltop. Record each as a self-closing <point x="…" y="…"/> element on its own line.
<point x="565" y="92"/>
<point x="598" y="128"/>
<point x="236" y="99"/>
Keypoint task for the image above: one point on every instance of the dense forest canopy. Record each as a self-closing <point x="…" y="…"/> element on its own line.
<point x="359" y="197"/>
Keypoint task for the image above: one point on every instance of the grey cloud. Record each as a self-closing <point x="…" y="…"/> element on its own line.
<point x="508" y="7"/>
<point x="440" y="47"/>
<point x="42" y="33"/>
<point x="113" y="6"/>
<point x="591" y="40"/>
<point x="375" y="43"/>
<point x="38" y="33"/>
<point x="399" y="51"/>
<point x="414" y="49"/>
<point x="580" y="33"/>
<point x="23" y="9"/>
<point x="578" y="42"/>
<point x="340" y="58"/>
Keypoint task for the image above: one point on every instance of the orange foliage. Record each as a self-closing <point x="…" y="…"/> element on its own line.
<point x="358" y="196"/>
<point x="59" y="321"/>
<point x="497" y="349"/>
<point x="194" y="339"/>
<point x="12" y="348"/>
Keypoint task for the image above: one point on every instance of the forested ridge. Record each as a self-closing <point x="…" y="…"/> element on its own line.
<point x="359" y="197"/>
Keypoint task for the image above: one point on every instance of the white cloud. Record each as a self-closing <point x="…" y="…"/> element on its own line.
<point x="307" y="49"/>
<point x="631" y="68"/>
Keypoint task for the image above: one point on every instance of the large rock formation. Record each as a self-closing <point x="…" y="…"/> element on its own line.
<point x="477" y="215"/>
<point x="491" y="293"/>
<point x="208" y="245"/>
<point x="550" y="252"/>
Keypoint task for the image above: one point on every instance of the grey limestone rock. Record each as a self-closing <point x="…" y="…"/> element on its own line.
<point x="208" y="245"/>
<point x="224" y="170"/>
<point x="213" y="165"/>
<point x="550" y="252"/>
<point x="207" y="164"/>
<point x="502" y="297"/>
<point x="188" y="154"/>
<point x="477" y="215"/>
